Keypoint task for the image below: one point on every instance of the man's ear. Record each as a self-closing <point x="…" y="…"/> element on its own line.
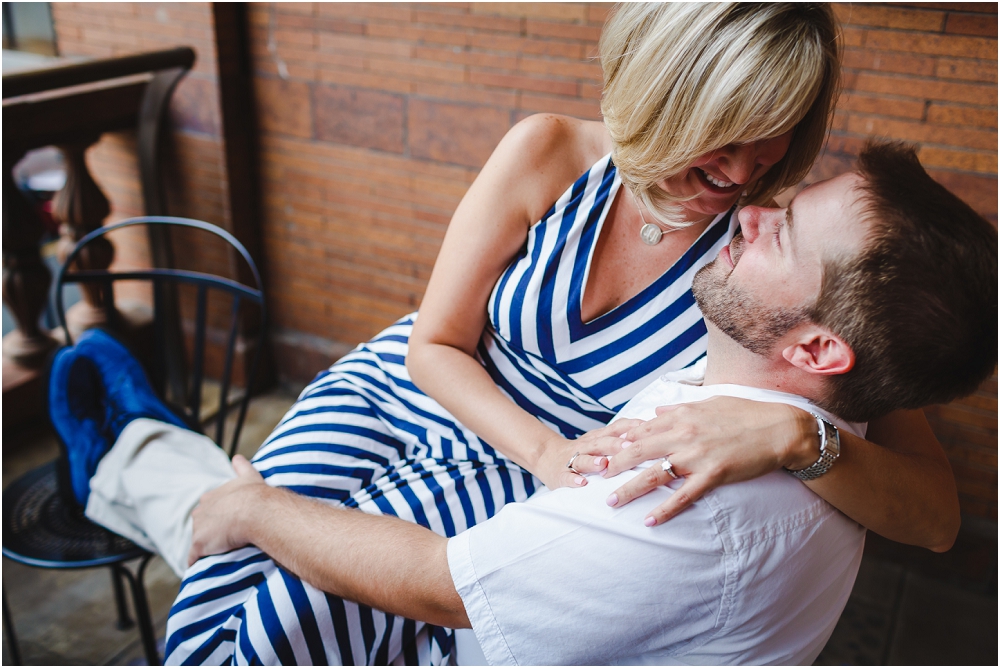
<point x="818" y="350"/>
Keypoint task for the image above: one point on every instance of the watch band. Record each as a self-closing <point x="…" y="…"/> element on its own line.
<point x="829" y="450"/>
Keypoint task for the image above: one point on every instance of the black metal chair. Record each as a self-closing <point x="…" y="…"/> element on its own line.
<point x="43" y="525"/>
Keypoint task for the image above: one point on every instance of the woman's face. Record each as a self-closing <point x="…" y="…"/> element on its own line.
<point x="717" y="179"/>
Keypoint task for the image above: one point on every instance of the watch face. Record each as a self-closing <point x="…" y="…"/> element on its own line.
<point x="830" y="439"/>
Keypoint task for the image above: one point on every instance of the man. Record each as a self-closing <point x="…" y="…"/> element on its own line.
<point x="834" y="305"/>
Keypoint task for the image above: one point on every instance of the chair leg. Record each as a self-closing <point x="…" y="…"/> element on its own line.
<point x="8" y="627"/>
<point x="124" y="619"/>
<point x="143" y="613"/>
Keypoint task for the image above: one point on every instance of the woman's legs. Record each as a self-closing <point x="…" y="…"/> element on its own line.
<point x="330" y="444"/>
<point x="341" y="445"/>
<point x="242" y="605"/>
<point x="285" y="621"/>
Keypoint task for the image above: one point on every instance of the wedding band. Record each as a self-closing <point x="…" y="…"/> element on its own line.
<point x="669" y="468"/>
<point x="570" y="466"/>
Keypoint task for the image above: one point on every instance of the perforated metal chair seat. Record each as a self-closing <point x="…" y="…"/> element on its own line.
<point x="42" y="528"/>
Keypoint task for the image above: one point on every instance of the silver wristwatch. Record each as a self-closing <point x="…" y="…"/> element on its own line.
<point x="829" y="450"/>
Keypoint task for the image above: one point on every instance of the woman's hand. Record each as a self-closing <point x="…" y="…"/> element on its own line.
<point x="216" y="517"/>
<point x="594" y="446"/>
<point x="710" y="443"/>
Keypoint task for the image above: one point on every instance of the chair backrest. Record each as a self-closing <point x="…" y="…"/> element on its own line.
<point x="163" y="280"/>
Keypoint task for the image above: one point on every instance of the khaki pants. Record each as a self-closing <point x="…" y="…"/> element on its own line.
<point x="149" y="482"/>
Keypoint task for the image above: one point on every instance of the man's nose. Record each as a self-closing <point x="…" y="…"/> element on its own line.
<point x="753" y="219"/>
<point x="750" y="223"/>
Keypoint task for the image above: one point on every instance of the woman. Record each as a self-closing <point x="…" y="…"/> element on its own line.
<point x="542" y="319"/>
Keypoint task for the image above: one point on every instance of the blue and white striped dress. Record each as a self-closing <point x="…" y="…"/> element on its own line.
<point x="362" y="435"/>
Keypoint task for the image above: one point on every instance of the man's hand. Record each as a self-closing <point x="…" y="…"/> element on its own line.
<point x="217" y="526"/>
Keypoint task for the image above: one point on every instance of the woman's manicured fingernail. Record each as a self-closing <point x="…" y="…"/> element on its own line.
<point x="580" y="480"/>
<point x="650" y="521"/>
<point x="624" y="436"/>
<point x="626" y="444"/>
<point x="600" y="462"/>
<point x="612" y="500"/>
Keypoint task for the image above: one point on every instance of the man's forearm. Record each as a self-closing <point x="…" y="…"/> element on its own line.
<point x="382" y="562"/>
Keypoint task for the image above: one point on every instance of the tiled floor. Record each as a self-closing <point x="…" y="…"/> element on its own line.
<point x="909" y="606"/>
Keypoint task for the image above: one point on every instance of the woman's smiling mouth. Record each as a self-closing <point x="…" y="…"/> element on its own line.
<point x="715" y="184"/>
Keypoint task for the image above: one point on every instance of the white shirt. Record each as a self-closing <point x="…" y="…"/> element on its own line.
<point x="753" y="573"/>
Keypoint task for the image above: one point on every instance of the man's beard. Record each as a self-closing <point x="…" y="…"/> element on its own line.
<point x="744" y="318"/>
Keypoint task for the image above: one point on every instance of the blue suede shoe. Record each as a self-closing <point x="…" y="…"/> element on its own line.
<point x="77" y="410"/>
<point x="95" y="389"/>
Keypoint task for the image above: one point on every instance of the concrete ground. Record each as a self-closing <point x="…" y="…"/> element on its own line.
<point x="909" y="606"/>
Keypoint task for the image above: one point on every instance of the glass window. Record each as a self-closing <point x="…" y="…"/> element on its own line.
<point x="27" y="28"/>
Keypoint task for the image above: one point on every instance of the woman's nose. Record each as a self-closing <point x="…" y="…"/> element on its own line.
<point x="739" y="163"/>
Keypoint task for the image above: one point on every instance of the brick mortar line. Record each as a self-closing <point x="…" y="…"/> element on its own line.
<point x="928" y="144"/>
<point x="918" y="78"/>
<point x="860" y="113"/>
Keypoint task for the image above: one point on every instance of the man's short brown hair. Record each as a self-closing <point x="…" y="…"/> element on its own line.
<point x="918" y="306"/>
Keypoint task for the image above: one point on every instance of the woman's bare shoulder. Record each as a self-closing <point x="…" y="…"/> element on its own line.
<point x="553" y="139"/>
<point x="550" y="152"/>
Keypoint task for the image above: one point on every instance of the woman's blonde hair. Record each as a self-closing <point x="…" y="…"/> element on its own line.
<point x="684" y="79"/>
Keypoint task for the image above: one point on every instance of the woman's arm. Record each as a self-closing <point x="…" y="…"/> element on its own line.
<point x="899" y="484"/>
<point x="530" y="169"/>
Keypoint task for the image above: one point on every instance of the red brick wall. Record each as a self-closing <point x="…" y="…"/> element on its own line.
<point x="926" y="74"/>
<point x="374" y="119"/>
